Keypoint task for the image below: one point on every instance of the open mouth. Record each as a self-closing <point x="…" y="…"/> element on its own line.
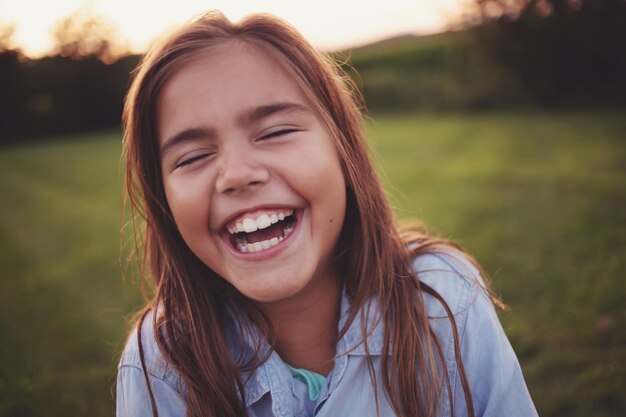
<point x="250" y="234"/>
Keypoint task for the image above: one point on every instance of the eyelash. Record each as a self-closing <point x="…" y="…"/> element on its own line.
<point x="278" y="133"/>
<point x="192" y="160"/>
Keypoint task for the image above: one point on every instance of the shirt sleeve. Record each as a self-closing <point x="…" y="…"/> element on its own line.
<point x="492" y="369"/>
<point x="493" y="372"/>
<point x="133" y="399"/>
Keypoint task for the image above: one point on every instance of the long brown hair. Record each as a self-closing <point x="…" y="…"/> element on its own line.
<point x="192" y="300"/>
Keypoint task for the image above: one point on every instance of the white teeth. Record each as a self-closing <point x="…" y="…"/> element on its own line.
<point x="258" y="246"/>
<point x="249" y="225"/>
<point x="265" y="220"/>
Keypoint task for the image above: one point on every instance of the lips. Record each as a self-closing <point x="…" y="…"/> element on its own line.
<point x="260" y="230"/>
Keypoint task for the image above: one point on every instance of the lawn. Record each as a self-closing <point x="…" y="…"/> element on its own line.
<point x="539" y="199"/>
<point x="63" y="298"/>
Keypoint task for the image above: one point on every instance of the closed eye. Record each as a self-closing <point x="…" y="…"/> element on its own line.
<point x="278" y="133"/>
<point x="191" y="160"/>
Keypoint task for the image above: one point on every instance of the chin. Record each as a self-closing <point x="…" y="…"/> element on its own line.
<point x="274" y="292"/>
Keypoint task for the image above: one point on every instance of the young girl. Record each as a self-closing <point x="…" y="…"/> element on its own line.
<point x="283" y="287"/>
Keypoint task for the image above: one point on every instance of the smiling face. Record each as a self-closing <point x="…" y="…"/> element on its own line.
<point x="251" y="174"/>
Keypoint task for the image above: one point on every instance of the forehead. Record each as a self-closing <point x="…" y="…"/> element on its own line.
<point x="217" y="82"/>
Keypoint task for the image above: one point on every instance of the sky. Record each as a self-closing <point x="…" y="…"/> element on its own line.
<point x="328" y="24"/>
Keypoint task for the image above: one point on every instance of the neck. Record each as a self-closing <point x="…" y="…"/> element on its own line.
<point x="305" y="326"/>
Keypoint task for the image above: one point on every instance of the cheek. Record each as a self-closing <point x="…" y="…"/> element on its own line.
<point x="327" y="190"/>
<point x="189" y="207"/>
<point x="319" y="169"/>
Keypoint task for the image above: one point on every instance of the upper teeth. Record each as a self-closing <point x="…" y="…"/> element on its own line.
<point x="250" y="224"/>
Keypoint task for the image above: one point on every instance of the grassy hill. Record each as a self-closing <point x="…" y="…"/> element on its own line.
<point x="434" y="72"/>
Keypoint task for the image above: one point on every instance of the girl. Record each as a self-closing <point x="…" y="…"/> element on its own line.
<point x="283" y="287"/>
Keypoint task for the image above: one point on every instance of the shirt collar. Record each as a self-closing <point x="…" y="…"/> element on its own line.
<point x="258" y="382"/>
<point x="352" y="341"/>
<point x="243" y="339"/>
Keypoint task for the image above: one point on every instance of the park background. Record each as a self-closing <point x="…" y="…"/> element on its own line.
<point x="505" y="133"/>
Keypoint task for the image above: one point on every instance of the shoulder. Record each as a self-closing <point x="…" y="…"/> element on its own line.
<point x="156" y="365"/>
<point x="489" y="362"/>
<point x="454" y="278"/>
<point x="132" y="390"/>
<point x="461" y="304"/>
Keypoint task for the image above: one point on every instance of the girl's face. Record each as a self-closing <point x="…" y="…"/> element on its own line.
<point x="251" y="174"/>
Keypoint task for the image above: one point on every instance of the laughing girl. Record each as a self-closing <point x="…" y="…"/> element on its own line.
<point x="282" y="285"/>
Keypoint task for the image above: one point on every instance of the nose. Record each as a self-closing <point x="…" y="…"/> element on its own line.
<point x="239" y="171"/>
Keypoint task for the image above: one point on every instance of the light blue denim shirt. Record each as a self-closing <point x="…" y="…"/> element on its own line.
<point x="493" y="371"/>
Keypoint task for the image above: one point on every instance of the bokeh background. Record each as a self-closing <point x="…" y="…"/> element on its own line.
<point x="501" y="124"/>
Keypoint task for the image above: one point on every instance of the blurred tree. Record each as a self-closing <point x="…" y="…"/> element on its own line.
<point x="11" y="98"/>
<point x="564" y="51"/>
<point x="82" y="34"/>
<point x="6" y="37"/>
<point x="81" y="87"/>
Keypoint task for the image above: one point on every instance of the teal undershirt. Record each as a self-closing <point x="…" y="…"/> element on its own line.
<point x="313" y="381"/>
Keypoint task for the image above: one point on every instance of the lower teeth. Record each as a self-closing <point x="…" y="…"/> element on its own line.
<point x="245" y="247"/>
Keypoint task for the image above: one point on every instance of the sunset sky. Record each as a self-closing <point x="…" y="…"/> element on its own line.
<point x="329" y="24"/>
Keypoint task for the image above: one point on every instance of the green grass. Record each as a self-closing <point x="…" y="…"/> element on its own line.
<point x="539" y="199"/>
<point x="62" y="295"/>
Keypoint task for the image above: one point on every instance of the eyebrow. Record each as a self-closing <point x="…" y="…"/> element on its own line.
<point x="246" y="119"/>
<point x="261" y="112"/>
<point x="187" y="135"/>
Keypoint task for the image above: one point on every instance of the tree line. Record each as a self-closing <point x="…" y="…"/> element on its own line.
<point x="563" y="51"/>
<point x="506" y="53"/>
<point x="79" y="86"/>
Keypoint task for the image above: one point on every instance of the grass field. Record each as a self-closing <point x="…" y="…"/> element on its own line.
<point x="539" y="199"/>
